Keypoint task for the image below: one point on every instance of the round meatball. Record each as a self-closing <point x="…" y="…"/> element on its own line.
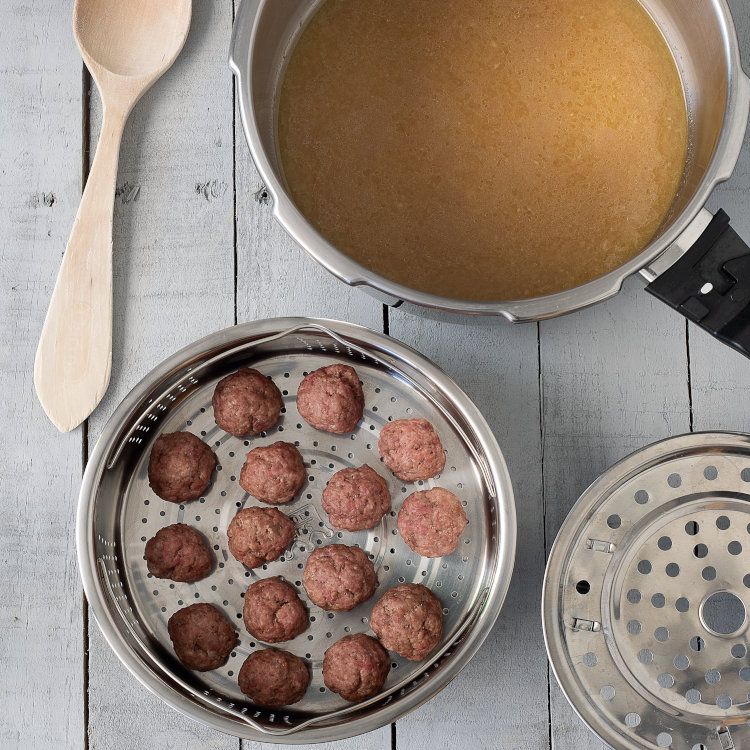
<point x="273" y="677"/>
<point x="356" y="499"/>
<point x="408" y="619"/>
<point x="356" y="667"/>
<point x="180" y="467"/>
<point x="431" y="522"/>
<point x="339" y="578"/>
<point x="273" y="473"/>
<point x="411" y="449"/>
<point x="331" y="399"/>
<point x="273" y="611"/>
<point x="246" y="402"/>
<point x="180" y="553"/>
<point x="202" y="637"/>
<point x="259" y="535"/>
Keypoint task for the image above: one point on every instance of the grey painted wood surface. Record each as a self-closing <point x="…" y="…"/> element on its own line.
<point x="41" y="614"/>
<point x="196" y="249"/>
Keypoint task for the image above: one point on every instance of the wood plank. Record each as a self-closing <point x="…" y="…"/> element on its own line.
<point x="275" y="277"/>
<point x="500" y="699"/>
<point x="720" y="377"/>
<point x="174" y="282"/>
<point x="614" y="379"/>
<point x="41" y="616"/>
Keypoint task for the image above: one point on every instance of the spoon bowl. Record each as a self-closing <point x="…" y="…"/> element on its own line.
<point x="133" y="39"/>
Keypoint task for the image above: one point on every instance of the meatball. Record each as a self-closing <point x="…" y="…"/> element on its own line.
<point x="180" y="553"/>
<point x="202" y="637"/>
<point x="356" y="499"/>
<point x="180" y="467"/>
<point x="339" y="578"/>
<point x="246" y="402"/>
<point x="431" y="522"/>
<point x="408" y="619"/>
<point x="355" y="667"/>
<point x="273" y="611"/>
<point x="259" y="535"/>
<point x="273" y="677"/>
<point x="273" y="473"/>
<point x="331" y="399"/>
<point x="411" y="449"/>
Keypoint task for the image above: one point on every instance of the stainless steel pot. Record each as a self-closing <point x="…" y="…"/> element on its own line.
<point x="118" y="512"/>
<point x="703" y="39"/>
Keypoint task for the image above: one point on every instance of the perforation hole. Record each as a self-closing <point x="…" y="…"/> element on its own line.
<point x="734" y="548"/>
<point x="634" y="627"/>
<point x="658" y="600"/>
<point x="692" y="528"/>
<point x="664" y="740"/>
<point x="697" y="643"/>
<point x="700" y="551"/>
<point x="664" y="543"/>
<point x="682" y="605"/>
<point x="634" y="596"/>
<point x="710" y="472"/>
<point x="644" y="567"/>
<point x="674" y="480"/>
<point x="722" y="523"/>
<point x="713" y="677"/>
<point x="708" y="573"/>
<point x="661" y="634"/>
<point x="589" y="659"/>
<point x="583" y="587"/>
<point x="614" y="521"/>
<point x="693" y="696"/>
<point x="665" y="680"/>
<point x="632" y="720"/>
<point x="607" y="692"/>
<point x="641" y="497"/>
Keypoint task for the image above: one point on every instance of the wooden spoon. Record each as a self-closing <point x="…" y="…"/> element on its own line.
<point x="126" y="45"/>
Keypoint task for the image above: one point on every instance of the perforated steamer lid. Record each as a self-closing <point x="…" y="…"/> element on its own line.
<point x="647" y="594"/>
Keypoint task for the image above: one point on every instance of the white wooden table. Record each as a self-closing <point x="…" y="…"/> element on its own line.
<point x="196" y="249"/>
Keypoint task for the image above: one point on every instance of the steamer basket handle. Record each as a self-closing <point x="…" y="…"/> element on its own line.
<point x="710" y="283"/>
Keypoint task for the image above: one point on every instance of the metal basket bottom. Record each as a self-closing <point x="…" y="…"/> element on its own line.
<point x="127" y="513"/>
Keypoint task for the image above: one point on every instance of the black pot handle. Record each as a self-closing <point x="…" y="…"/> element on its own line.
<point x="710" y="284"/>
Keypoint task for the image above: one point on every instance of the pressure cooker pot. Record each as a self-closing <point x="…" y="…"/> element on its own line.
<point x="697" y="264"/>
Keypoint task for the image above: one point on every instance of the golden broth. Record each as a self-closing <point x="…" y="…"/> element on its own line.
<point x="484" y="149"/>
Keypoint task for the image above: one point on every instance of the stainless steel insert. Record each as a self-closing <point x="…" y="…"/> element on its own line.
<point x="118" y="512"/>
<point x="647" y="595"/>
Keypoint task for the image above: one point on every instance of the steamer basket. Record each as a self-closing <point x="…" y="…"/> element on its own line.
<point x="118" y="512"/>
<point x="647" y="595"/>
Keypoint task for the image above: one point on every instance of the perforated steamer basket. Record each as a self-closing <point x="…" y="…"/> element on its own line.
<point x="647" y="594"/>
<point x="118" y="512"/>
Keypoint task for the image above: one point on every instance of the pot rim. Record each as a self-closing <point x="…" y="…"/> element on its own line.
<point x="726" y="154"/>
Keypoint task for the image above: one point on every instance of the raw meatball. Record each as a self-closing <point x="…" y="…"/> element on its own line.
<point x="331" y="399"/>
<point x="431" y="522"/>
<point x="273" y="611"/>
<point x="273" y="677"/>
<point x="180" y="553"/>
<point x="180" y="467"/>
<point x="408" y="619"/>
<point x="356" y="499"/>
<point x="246" y="402"/>
<point x="273" y="473"/>
<point x="202" y="637"/>
<point x="355" y="667"/>
<point x="411" y="449"/>
<point x="259" y="535"/>
<point x="338" y="577"/>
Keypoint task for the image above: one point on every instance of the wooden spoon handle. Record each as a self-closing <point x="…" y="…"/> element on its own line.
<point x="74" y="357"/>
